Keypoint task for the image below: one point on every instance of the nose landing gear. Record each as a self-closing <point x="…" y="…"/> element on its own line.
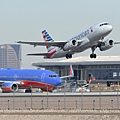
<point x="93" y="55"/>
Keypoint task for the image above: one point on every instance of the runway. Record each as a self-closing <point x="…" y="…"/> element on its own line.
<point x="60" y="94"/>
<point x="63" y="112"/>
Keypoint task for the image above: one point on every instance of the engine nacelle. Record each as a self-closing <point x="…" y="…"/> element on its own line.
<point x="69" y="45"/>
<point x="106" y="45"/>
<point x="9" y="87"/>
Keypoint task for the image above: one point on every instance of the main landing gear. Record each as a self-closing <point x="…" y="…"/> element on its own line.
<point x="68" y="56"/>
<point x="28" y="90"/>
<point x="93" y="55"/>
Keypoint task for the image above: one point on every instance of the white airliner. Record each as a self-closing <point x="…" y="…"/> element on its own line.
<point x="92" y="38"/>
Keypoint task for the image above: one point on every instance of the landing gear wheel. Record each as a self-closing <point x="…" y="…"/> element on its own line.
<point x="92" y="55"/>
<point x="68" y="56"/>
<point x="95" y="55"/>
<point x="28" y="90"/>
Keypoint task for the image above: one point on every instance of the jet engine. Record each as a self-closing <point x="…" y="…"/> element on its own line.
<point x="106" y="45"/>
<point x="69" y="45"/>
<point x="9" y="87"/>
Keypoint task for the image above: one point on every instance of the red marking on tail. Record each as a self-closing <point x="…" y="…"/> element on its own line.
<point x="71" y="71"/>
<point x="44" y="36"/>
<point x="51" y="54"/>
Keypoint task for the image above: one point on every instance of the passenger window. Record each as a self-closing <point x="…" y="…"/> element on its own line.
<point x="53" y="76"/>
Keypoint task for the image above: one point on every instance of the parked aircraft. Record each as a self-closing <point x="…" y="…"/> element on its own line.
<point x="13" y="79"/>
<point x="92" y="38"/>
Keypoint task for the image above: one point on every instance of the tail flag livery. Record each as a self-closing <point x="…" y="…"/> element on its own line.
<point x="47" y="37"/>
<point x="50" y="49"/>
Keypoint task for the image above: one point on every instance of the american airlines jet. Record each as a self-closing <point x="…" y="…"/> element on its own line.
<point x="92" y="38"/>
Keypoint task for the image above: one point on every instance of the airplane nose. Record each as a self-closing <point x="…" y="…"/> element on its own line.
<point x="110" y="28"/>
<point x="59" y="81"/>
<point x="107" y="29"/>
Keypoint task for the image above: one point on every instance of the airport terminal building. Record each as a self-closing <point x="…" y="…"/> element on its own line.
<point x="103" y="67"/>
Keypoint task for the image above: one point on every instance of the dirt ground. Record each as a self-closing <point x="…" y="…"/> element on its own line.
<point x="59" y="114"/>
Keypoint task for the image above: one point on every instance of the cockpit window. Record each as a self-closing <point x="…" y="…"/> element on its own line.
<point x="104" y="24"/>
<point x="51" y="76"/>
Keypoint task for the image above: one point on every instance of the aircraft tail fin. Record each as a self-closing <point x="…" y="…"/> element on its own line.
<point x="47" y="38"/>
<point x="71" y="74"/>
<point x="71" y="71"/>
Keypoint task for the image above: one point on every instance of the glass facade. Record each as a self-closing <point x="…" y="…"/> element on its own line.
<point x="10" y="56"/>
<point x="81" y="72"/>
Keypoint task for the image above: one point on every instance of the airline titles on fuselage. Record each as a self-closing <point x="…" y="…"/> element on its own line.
<point x="83" y="34"/>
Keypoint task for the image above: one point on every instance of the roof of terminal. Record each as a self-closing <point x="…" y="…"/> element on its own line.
<point x="85" y="60"/>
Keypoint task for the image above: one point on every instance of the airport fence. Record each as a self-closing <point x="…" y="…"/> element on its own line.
<point x="82" y="102"/>
<point x="62" y="100"/>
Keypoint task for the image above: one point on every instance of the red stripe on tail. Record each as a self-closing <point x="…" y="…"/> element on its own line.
<point x="71" y="71"/>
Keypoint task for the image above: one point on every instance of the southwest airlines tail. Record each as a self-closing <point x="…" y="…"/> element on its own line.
<point x="47" y="38"/>
<point x="71" y="74"/>
<point x="71" y="71"/>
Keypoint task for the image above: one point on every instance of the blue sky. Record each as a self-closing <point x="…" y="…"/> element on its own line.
<point x="25" y="19"/>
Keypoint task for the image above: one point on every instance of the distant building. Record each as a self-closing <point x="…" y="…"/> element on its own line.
<point x="10" y="56"/>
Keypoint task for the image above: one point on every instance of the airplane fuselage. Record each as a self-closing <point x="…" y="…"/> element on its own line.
<point x="89" y="37"/>
<point x="27" y="78"/>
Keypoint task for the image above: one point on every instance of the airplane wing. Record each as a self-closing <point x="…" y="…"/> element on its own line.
<point x="1" y="82"/>
<point x="39" y="54"/>
<point x="16" y="82"/>
<point x="116" y="42"/>
<point x="57" y="44"/>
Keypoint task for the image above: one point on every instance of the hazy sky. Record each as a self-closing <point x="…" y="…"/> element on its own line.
<point x="25" y="19"/>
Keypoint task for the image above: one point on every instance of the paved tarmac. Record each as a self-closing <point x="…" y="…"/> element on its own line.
<point x="60" y="94"/>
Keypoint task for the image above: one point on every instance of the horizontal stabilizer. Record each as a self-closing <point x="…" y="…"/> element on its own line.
<point x="39" y="54"/>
